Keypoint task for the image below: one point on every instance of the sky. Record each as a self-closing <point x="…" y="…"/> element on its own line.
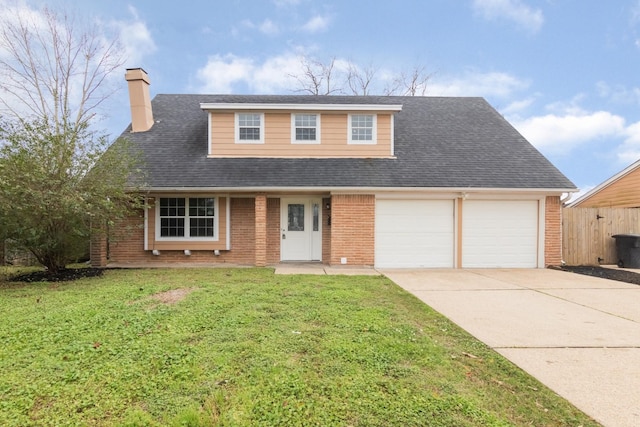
<point x="564" y="73"/>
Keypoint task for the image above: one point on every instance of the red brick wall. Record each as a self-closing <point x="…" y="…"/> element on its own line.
<point x="353" y="229"/>
<point x="553" y="231"/>
<point x="126" y="243"/>
<point x="97" y="249"/>
<point x="261" y="230"/>
<point x="243" y="231"/>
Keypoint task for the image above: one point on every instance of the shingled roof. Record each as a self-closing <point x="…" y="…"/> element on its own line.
<point x="440" y="142"/>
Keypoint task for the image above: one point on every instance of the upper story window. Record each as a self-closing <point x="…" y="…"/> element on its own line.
<point x="306" y="128"/>
<point x="186" y="218"/>
<point x="362" y="128"/>
<point x="250" y="128"/>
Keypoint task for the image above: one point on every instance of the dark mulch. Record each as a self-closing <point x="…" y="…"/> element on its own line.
<point x="606" y="273"/>
<point x="65" y="275"/>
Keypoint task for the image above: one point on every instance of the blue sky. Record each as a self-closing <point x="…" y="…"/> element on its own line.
<point x="565" y="73"/>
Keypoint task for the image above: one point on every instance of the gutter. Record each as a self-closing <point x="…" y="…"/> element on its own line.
<point x="364" y="190"/>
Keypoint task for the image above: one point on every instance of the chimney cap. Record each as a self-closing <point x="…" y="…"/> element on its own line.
<point x="137" y="74"/>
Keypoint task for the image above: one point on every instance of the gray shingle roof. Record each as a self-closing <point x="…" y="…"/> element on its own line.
<point x="439" y="142"/>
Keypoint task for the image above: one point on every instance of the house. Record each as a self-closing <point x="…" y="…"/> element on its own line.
<point x="619" y="191"/>
<point x="385" y="181"/>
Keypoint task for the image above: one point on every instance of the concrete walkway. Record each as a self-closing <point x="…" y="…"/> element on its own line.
<point x="578" y="335"/>
<point x="321" y="269"/>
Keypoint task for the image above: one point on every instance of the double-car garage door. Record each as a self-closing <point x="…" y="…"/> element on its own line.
<point x="414" y="233"/>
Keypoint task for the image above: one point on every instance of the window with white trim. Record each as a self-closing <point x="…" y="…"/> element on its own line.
<point x="305" y="128"/>
<point x="250" y="128"/>
<point x="362" y="128"/>
<point x="186" y="218"/>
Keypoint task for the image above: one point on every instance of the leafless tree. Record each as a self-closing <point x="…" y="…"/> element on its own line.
<point x="329" y="78"/>
<point x="360" y="80"/>
<point x="53" y="69"/>
<point x="317" y="78"/>
<point x="413" y="83"/>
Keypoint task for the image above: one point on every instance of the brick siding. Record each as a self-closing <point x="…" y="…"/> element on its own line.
<point x="261" y="230"/>
<point x="553" y="231"/>
<point x="352" y="229"/>
<point x="126" y="243"/>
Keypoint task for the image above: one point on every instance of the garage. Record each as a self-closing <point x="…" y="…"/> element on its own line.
<point x="500" y="234"/>
<point x="414" y="233"/>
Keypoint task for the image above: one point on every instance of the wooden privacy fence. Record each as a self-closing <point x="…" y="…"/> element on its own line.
<point x="586" y="233"/>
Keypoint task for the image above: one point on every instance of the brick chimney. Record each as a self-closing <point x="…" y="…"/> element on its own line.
<point x="139" y="99"/>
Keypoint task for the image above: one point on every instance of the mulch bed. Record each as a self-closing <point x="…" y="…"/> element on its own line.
<point x="606" y="273"/>
<point x="65" y="275"/>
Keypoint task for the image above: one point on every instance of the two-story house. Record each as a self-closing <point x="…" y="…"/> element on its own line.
<point x="384" y="181"/>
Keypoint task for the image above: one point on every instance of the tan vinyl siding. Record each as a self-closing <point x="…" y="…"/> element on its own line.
<point x="222" y="130"/>
<point x="623" y="193"/>
<point x="278" y="133"/>
<point x="191" y="244"/>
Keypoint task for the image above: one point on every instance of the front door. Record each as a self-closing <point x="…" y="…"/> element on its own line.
<point x="301" y="229"/>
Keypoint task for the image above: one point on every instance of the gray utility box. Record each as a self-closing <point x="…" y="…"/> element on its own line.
<point x="628" y="250"/>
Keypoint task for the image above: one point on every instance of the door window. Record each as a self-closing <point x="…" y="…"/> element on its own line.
<point x="296" y="217"/>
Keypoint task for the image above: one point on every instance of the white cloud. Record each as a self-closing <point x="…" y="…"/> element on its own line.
<point x="473" y="83"/>
<point x="316" y="24"/>
<point x="618" y="93"/>
<point x="512" y="10"/>
<point x="635" y="13"/>
<point x="561" y="133"/>
<point x="267" y="27"/>
<point x="276" y="74"/>
<point x="517" y="107"/>
<point x="629" y="152"/>
<point x="286" y="3"/>
<point x="234" y="74"/>
<point x="221" y="73"/>
<point x="136" y="39"/>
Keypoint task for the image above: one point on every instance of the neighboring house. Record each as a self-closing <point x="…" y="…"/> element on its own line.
<point x="358" y="180"/>
<point x="620" y="191"/>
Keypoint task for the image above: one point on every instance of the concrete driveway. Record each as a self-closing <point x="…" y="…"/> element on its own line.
<point x="578" y="335"/>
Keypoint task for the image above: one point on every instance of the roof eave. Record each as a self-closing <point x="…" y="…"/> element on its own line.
<point x="595" y="190"/>
<point x="208" y="106"/>
<point x="351" y="190"/>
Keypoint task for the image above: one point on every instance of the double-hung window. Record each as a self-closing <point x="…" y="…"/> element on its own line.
<point x="362" y="128"/>
<point x="186" y="218"/>
<point x="250" y="128"/>
<point x="305" y="128"/>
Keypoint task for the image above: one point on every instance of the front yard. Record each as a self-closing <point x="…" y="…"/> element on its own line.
<point x="244" y="347"/>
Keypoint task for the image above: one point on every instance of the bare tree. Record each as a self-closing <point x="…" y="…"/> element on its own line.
<point x="329" y="78"/>
<point x="317" y="78"/>
<point x="413" y="83"/>
<point x="57" y="173"/>
<point x="53" y="69"/>
<point x="360" y="80"/>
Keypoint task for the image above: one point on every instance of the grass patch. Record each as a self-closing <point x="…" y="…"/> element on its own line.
<point x="243" y="347"/>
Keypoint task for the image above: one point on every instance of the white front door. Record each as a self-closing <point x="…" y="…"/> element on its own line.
<point x="301" y="229"/>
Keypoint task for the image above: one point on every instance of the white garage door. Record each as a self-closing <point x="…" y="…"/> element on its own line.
<point x="500" y="234"/>
<point x="414" y="234"/>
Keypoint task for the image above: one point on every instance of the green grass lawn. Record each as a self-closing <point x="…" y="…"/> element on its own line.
<point x="244" y="347"/>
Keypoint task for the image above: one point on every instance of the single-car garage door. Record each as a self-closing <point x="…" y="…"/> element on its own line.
<point x="500" y="234"/>
<point x="414" y="234"/>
